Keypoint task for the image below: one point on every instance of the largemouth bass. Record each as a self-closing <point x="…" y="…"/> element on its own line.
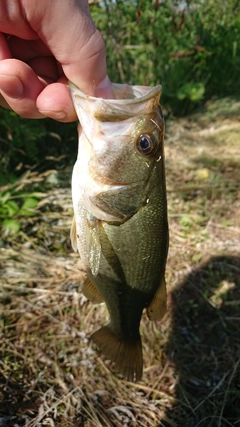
<point x="120" y="225"/>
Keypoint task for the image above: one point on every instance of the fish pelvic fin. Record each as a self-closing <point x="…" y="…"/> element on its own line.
<point x="73" y="235"/>
<point x="126" y="355"/>
<point x="91" y="291"/>
<point x="158" y="306"/>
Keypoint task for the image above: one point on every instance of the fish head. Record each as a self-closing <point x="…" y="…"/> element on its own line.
<point x="123" y="139"/>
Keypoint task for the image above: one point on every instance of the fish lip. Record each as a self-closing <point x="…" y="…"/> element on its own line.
<point x="137" y="98"/>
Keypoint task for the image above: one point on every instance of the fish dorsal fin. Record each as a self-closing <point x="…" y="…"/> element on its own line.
<point x="91" y="292"/>
<point x="126" y="355"/>
<point x="73" y="235"/>
<point x="93" y="245"/>
<point x="158" y="307"/>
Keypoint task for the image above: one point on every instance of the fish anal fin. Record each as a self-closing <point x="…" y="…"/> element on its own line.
<point x="73" y="235"/>
<point x="126" y="355"/>
<point x="158" y="306"/>
<point x="91" y="292"/>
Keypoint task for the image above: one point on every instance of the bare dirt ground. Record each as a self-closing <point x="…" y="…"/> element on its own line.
<point x="51" y="375"/>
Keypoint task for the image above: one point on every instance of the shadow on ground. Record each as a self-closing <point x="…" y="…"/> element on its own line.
<point x="205" y="345"/>
<point x="203" y="349"/>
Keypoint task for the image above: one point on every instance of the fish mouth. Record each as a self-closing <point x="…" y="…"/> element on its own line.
<point x="128" y="102"/>
<point x="124" y="93"/>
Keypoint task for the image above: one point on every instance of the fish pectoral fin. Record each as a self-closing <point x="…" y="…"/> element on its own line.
<point x="91" y="292"/>
<point x="93" y="245"/>
<point x="158" y="306"/>
<point x="73" y="235"/>
<point x="126" y="355"/>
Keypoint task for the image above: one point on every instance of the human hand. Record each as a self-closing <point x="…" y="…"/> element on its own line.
<point x="43" y="44"/>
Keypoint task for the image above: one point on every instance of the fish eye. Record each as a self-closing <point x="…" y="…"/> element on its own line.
<point x="145" y="144"/>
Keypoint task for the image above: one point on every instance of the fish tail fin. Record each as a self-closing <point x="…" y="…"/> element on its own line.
<point x="126" y="355"/>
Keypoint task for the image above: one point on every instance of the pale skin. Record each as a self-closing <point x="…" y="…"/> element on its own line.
<point x="43" y="44"/>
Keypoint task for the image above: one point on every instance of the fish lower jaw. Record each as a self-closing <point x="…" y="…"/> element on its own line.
<point x="103" y="210"/>
<point x="114" y="203"/>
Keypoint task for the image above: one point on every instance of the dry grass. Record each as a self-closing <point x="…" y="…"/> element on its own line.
<point x="50" y="375"/>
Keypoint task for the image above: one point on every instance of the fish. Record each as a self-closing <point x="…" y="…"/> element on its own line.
<point x="120" y="224"/>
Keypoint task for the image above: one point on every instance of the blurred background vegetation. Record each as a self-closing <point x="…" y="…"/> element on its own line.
<point x="191" y="48"/>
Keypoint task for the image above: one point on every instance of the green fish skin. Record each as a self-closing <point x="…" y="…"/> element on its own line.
<point x="120" y="225"/>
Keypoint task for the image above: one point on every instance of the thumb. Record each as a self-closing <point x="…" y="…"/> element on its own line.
<point x="71" y="35"/>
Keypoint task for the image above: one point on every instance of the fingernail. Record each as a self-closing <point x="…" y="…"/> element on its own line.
<point x="56" y="115"/>
<point x="104" y="89"/>
<point x="11" y="86"/>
